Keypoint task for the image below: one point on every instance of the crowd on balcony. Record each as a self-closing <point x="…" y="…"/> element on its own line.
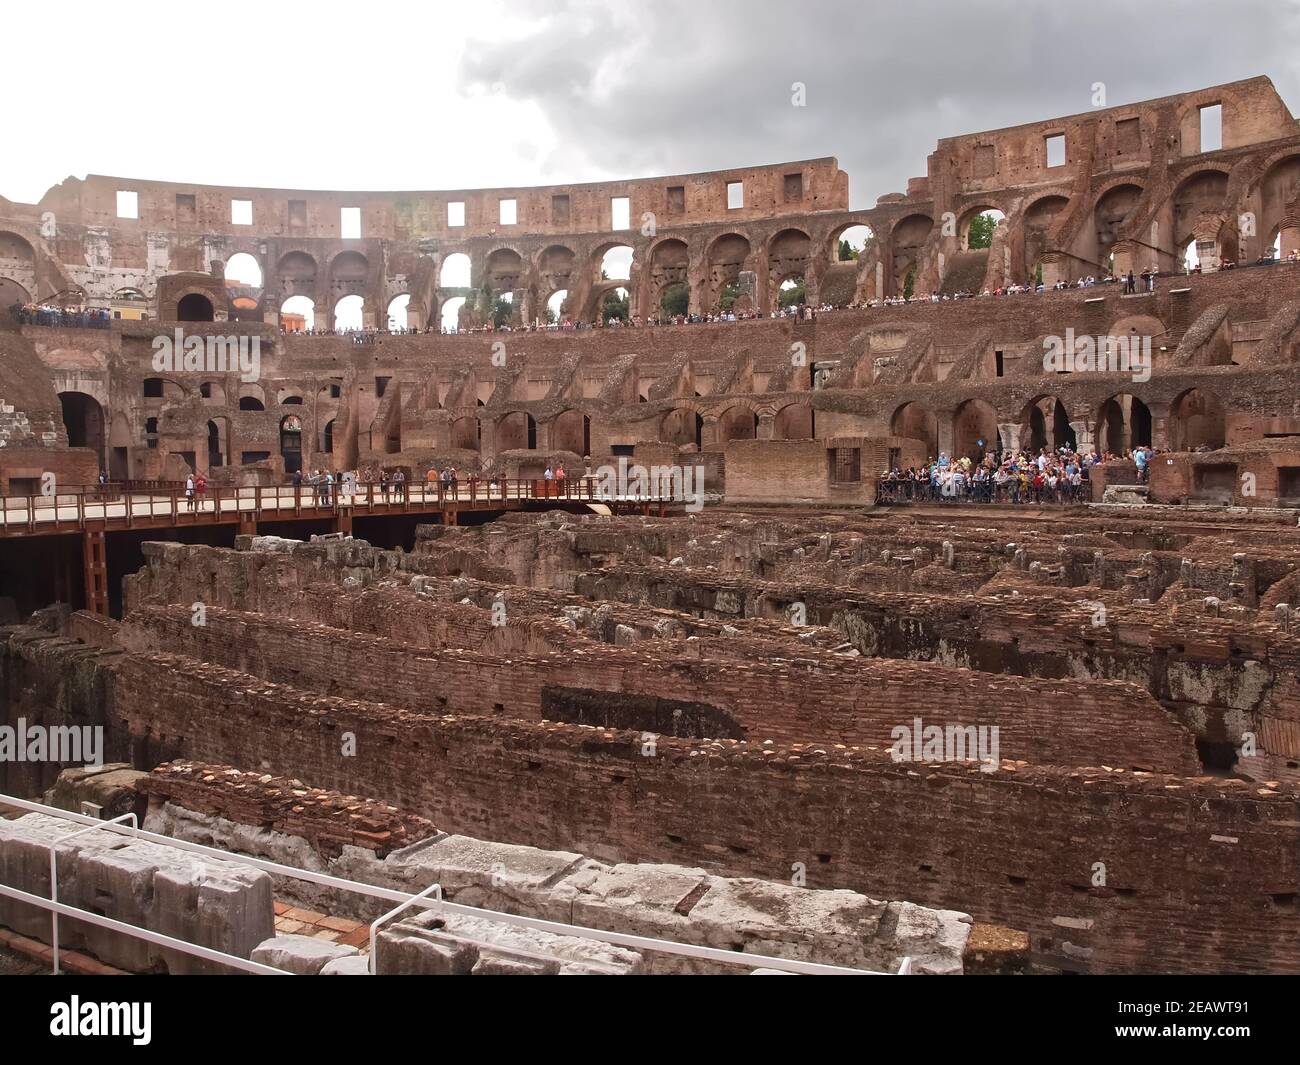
<point x="1009" y="477"/>
<point x="48" y="314"/>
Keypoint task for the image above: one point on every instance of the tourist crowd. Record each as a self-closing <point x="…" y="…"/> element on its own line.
<point x="1008" y="477"/>
<point x="45" y="314"/>
<point x="49" y="315"/>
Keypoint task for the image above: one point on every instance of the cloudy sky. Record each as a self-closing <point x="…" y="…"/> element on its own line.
<point x="387" y="95"/>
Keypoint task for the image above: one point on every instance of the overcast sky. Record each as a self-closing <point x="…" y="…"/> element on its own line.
<point x="382" y="95"/>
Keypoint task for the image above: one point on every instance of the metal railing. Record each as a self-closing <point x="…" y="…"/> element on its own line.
<point x="423" y="900"/>
<point x="906" y="490"/>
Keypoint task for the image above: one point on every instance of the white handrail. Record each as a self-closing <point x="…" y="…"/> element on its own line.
<point x="207" y="953"/>
<point x="54" y="875"/>
<point x="432" y="889"/>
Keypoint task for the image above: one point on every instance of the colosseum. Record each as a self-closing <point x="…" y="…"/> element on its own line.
<point x="680" y="574"/>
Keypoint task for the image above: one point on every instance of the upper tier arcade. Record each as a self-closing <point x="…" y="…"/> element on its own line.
<point x="1133" y="186"/>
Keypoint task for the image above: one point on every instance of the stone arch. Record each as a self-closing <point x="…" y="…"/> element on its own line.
<point x="1279" y="201"/>
<point x="1111" y="212"/>
<point x="516" y="430"/>
<point x="725" y="261"/>
<point x="600" y="282"/>
<point x="557" y="267"/>
<point x="831" y="246"/>
<point x="251" y="397"/>
<point x="449" y="312"/>
<point x="601" y="254"/>
<point x="245" y="269"/>
<point x="968" y="214"/>
<point x="916" y="421"/>
<point x="571" y="431"/>
<point x="218" y="441"/>
<point x="682" y="426"/>
<point x="84" y="420"/>
<point x="1198" y="202"/>
<point x="1045" y="425"/>
<point x="15" y="249"/>
<point x="348" y="273"/>
<point x="466" y="433"/>
<point x="1123" y="422"/>
<point x="396" y="314"/>
<point x="297" y="272"/>
<point x="456" y="271"/>
<point x="298" y="312"/>
<point x="11" y="293"/>
<point x="794" y="421"/>
<point x="737" y="422"/>
<point x="974" y="430"/>
<point x="1039" y="218"/>
<point x="907" y="237"/>
<point x="789" y="253"/>
<point x="291" y="430"/>
<point x="790" y="266"/>
<point x="1196" y="420"/>
<point x="502" y="271"/>
<point x="213" y="392"/>
<point x="670" y="264"/>
<point x="194" y="307"/>
<point x="348" y="312"/>
<point x="17" y="270"/>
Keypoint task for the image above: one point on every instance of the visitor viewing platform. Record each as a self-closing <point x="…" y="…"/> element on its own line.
<point x="139" y="506"/>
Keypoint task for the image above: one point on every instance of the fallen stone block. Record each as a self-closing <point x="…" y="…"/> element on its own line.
<point x="300" y="955"/>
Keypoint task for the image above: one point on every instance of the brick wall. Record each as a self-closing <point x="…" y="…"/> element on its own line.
<point x="820" y="696"/>
<point x="1200" y="875"/>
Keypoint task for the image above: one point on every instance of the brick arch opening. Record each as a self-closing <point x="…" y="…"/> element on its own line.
<point x="1196" y="421"/>
<point x="915" y="421"/>
<point x="738" y="423"/>
<point x="1123" y="422"/>
<point x="194" y="307"/>
<point x="682" y="426"/>
<point x="795" y="421"/>
<point x="83" y="418"/>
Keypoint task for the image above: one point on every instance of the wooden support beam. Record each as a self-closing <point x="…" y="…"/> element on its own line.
<point x="94" y="547"/>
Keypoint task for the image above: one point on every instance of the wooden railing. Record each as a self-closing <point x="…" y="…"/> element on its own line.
<point x="117" y="506"/>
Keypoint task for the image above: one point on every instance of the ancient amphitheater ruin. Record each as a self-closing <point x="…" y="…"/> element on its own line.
<point x="757" y="710"/>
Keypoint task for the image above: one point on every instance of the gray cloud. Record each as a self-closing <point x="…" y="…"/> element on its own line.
<point x="675" y="86"/>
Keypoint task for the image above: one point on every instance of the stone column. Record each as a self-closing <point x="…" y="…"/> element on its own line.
<point x="709" y="432"/>
<point x="766" y="427"/>
<point x="1125" y="258"/>
<point x="697" y="285"/>
<point x="1159" y="425"/>
<point x="1083" y="435"/>
<point x="1009" y="435"/>
<point x="944" y="424"/>
<point x="1290" y="234"/>
<point x="1054" y="269"/>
